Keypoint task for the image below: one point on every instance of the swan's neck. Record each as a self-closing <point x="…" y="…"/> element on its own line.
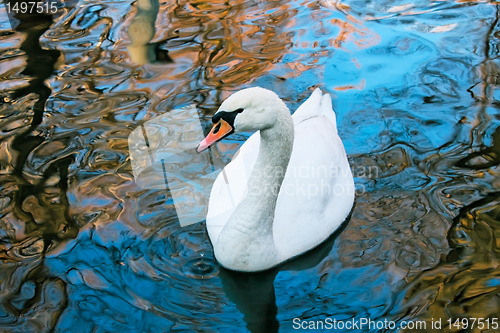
<point x="276" y="144"/>
<point x="251" y="224"/>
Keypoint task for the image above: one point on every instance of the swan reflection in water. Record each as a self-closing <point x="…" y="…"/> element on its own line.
<point x="254" y="293"/>
<point x="141" y="31"/>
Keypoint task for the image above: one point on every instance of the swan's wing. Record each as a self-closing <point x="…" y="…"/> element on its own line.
<point x="230" y="186"/>
<point x="317" y="104"/>
<point x="318" y="190"/>
<point x="311" y="105"/>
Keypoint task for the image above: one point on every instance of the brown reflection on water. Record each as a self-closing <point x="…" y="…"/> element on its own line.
<point x="35" y="217"/>
<point x="465" y="283"/>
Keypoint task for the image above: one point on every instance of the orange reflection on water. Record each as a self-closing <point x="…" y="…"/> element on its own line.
<point x="351" y="29"/>
<point x="355" y="32"/>
<point x="359" y="86"/>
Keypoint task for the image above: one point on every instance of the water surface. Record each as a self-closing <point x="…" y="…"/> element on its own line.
<point x="83" y="248"/>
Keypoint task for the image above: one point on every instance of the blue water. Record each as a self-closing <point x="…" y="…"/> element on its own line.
<point x="83" y="248"/>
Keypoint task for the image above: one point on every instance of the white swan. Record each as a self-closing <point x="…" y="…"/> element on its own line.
<point x="271" y="216"/>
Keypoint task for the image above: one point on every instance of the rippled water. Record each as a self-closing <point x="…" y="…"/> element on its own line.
<point x="85" y="249"/>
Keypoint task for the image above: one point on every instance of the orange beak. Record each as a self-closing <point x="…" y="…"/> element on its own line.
<point x="218" y="132"/>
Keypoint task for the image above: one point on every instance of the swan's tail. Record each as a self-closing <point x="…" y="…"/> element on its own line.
<point x="318" y="104"/>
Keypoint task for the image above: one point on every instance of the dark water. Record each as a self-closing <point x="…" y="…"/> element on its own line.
<point x="85" y="249"/>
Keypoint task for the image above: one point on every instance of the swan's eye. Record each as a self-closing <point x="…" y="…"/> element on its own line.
<point x="217" y="128"/>
<point x="239" y="110"/>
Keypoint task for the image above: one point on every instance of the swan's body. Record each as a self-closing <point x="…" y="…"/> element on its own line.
<point x="254" y="227"/>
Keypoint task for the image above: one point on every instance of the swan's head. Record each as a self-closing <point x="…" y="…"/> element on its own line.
<point x="249" y="109"/>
